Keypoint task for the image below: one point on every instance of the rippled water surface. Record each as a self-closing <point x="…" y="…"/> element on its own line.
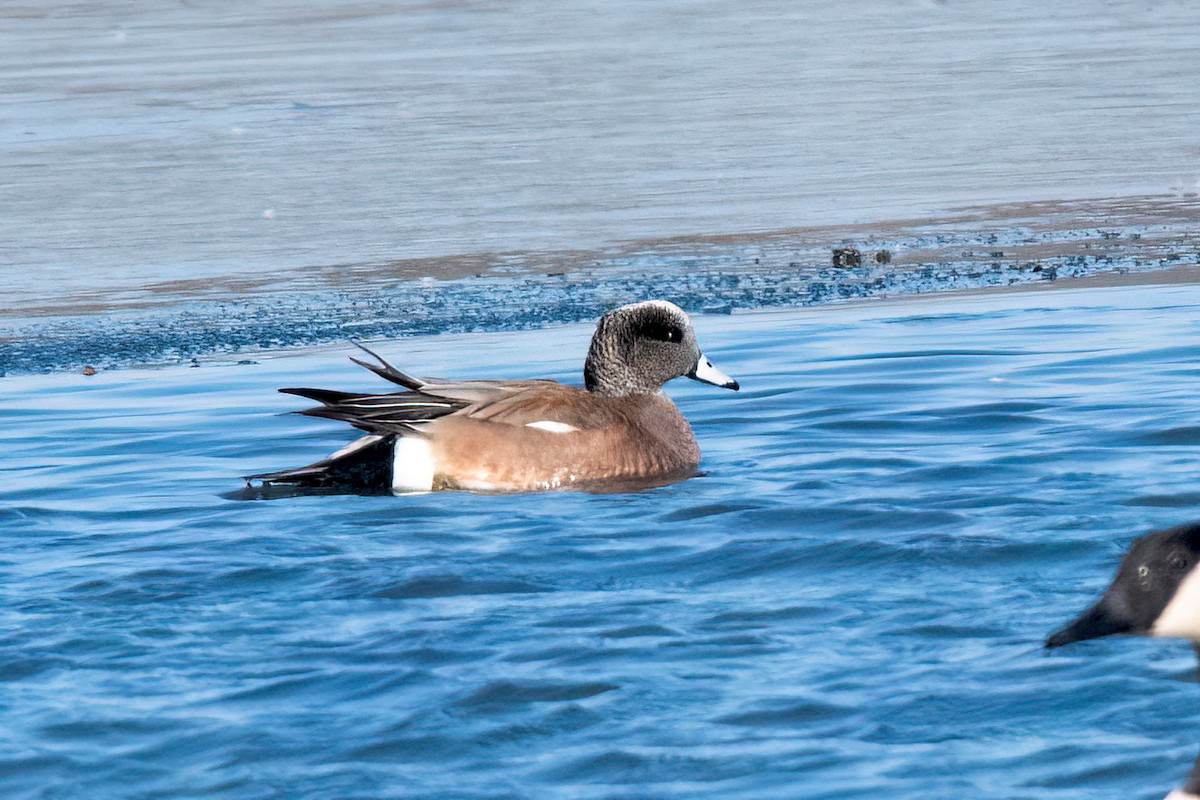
<point x="900" y="504"/>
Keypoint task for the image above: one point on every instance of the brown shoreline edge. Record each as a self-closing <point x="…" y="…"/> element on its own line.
<point x="1133" y="233"/>
<point x="1019" y="247"/>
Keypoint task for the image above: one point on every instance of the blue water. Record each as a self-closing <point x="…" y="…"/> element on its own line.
<point x="905" y="498"/>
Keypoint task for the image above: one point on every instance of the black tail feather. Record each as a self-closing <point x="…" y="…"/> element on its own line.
<point x="327" y="396"/>
<point x="364" y="466"/>
<point x="386" y="370"/>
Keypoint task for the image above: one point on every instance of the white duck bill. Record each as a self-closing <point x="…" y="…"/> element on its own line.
<point x="705" y="372"/>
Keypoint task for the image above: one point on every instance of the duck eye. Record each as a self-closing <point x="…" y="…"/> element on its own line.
<point x="1179" y="562"/>
<point x="663" y="332"/>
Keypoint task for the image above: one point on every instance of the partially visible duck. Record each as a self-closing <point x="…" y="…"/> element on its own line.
<point x="1191" y="787"/>
<point x="1156" y="592"/>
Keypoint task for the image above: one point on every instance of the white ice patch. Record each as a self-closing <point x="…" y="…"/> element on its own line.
<point x="1181" y="617"/>
<point x="552" y="426"/>
<point x="412" y="465"/>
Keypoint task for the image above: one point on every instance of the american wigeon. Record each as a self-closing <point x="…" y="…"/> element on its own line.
<point x="530" y="435"/>
<point x="1156" y="592"/>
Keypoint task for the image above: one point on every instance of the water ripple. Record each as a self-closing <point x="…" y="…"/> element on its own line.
<point x="850" y="603"/>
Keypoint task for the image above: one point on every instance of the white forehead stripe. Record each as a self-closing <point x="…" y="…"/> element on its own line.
<point x="663" y="304"/>
<point x="1181" y="617"/>
<point x="552" y="426"/>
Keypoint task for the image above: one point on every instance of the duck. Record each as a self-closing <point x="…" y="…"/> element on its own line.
<point x="1191" y="787"/>
<point x="1156" y="592"/>
<point x="618" y="430"/>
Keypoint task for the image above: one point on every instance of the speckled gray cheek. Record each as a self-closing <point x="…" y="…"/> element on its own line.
<point x="606" y="369"/>
<point x="664" y="361"/>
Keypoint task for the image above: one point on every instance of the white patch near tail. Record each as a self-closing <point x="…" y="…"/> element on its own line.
<point x="412" y="464"/>
<point x="1181" y="617"/>
<point x="356" y="445"/>
<point x="552" y="426"/>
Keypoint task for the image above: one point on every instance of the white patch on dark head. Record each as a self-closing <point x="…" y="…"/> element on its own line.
<point x="551" y="426"/>
<point x="666" y="306"/>
<point x="412" y="465"/>
<point x="1181" y="617"/>
<point x="1180" y="794"/>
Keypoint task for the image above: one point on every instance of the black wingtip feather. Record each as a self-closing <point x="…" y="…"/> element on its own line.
<point x="327" y="396"/>
<point x="363" y="423"/>
<point x="330" y="412"/>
